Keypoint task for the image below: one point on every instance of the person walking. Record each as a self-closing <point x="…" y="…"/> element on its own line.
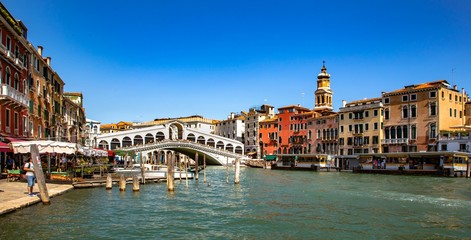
<point x="10" y="163"/>
<point x="30" y="178"/>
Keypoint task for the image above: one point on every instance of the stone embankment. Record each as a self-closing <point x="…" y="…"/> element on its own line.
<point x="14" y="195"/>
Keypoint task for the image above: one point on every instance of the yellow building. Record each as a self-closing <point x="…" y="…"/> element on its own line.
<point x="415" y="115"/>
<point x="74" y="118"/>
<point x="116" y="127"/>
<point x="360" y="127"/>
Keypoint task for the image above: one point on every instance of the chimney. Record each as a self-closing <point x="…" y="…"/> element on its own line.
<point x="232" y="115"/>
<point x="344" y="103"/>
<point x="454" y="87"/>
<point x="40" y="50"/>
<point x="48" y="61"/>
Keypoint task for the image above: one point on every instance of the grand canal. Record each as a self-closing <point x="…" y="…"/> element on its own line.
<point x="267" y="204"/>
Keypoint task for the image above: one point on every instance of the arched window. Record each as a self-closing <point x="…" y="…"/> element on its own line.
<point x="399" y="132"/>
<point x="7" y="76"/>
<point x="16" y="84"/>
<point x="393" y="133"/>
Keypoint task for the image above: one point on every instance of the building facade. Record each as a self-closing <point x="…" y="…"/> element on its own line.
<point x="415" y="115"/>
<point x="74" y="118"/>
<point x="323" y="133"/>
<point x="268" y="135"/>
<point x="14" y="59"/>
<point x="233" y="127"/>
<point x="360" y="127"/>
<point x="92" y="131"/>
<point x="292" y="129"/>
<point x="253" y="118"/>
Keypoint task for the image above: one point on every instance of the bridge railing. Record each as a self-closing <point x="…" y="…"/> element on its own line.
<point x="192" y="144"/>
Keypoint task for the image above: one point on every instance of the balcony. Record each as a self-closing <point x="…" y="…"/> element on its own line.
<point x="12" y="97"/>
<point x="395" y="141"/>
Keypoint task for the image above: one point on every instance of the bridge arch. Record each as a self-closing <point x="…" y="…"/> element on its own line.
<point x="149" y="138"/>
<point x="138" y="140"/>
<point x="127" y="141"/>
<point x="115" y="143"/>
<point x="229" y="147"/>
<point x="220" y="145"/>
<point x="239" y="150"/>
<point x="211" y="142"/>
<point x="191" y="137"/>
<point x="201" y="140"/>
<point x="159" y="136"/>
<point x="175" y="131"/>
<point x="103" y="145"/>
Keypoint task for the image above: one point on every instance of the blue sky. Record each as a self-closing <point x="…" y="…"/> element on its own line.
<point x="140" y="60"/>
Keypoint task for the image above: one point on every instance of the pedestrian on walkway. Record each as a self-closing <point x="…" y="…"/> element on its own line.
<point x="29" y="168"/>
<point x="10" y="163"/>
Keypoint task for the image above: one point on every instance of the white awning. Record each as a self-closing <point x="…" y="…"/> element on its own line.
<point x="89" y="152"/>
<point x="45" y="146"/>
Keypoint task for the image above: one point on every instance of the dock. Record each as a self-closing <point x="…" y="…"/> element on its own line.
<point x="13" y="195"/>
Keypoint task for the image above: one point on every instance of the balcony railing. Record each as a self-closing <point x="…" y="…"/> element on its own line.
<point x="395" y="141"/>
<point x="9" y="93"/>
<point x="453" y="138"/>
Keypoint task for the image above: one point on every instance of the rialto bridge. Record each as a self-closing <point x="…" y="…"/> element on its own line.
<point x="154" y="141"/>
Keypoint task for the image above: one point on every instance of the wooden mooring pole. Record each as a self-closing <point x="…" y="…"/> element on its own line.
<point x="237" y="171"/>
<point x="135" y="184"/>
<point x="122" y="183"/>
<point x="196" y="167"/>
<point x="38" y="172"/>
<point x="204" y="168"/>
<point x="170" y="173"/>
<point x="227" y="169"/>
<point x="186" y="171"/>
<point x="109" y="182"/>
<point x="143" y="170"/>
<point x="468" y="169"/>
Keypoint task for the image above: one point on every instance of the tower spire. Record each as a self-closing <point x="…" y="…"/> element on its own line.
<point x="323" y="94"/>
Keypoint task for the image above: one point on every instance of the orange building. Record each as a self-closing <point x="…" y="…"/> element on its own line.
<point x="292" y="129"/>
<point x="269" y="136"/>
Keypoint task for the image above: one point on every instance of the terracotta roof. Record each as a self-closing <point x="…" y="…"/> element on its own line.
<point x="365" y="100"/>
<point x="294" y="106"/>
<point x="269" y="120"/>
<point x="421" y="86"/>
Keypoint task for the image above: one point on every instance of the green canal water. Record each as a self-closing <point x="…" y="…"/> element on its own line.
<point x="267" y="204"/>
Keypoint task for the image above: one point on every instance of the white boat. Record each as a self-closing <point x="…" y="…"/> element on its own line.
<point x="152" y="171"/>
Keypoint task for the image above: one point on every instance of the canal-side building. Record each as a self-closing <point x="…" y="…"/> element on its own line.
<point x="92" y="131"/>
<point x="74" y="118"/>
<point x="416" y="114"/>
<point x="252" y="141"/>
<point x="292" y="129"/>
<point x="116" y="127"/>
<point x="360" y="127"/>
<point x="14" y="95"/>
<point x="269" y="136"/>
<point x="233" y="127"/>
<point x="323" y="133"/>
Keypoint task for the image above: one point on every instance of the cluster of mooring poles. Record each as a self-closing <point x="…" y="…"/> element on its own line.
<point x="171" y="173"/>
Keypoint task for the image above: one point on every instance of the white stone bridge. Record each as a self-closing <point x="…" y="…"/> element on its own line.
<point x="175" y="136"/>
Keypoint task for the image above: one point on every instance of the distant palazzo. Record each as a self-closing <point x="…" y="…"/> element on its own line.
<point x="415" y="115"/>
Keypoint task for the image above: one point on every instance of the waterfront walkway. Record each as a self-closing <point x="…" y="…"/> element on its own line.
<point x="13" y="195"/>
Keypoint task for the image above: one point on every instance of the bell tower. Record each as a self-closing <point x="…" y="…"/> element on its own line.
<point x="323" y="94"/>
